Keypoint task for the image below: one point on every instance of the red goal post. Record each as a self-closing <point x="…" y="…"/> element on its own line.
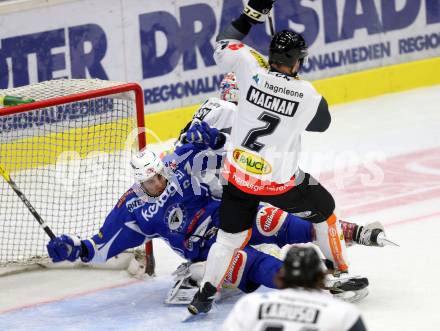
<point x="67" y="152"/>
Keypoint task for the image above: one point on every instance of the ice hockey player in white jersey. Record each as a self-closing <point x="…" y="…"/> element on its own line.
<point x="217" y="112"/>
<point x="274" y="110"/>
<point x="300" y="305"/>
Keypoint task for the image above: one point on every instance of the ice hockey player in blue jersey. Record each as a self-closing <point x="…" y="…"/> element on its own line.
<point x="168" y="201"/>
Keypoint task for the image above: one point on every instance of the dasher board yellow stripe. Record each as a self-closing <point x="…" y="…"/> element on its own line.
<point x="38" y="151"/>
<point x="378" y="81"/>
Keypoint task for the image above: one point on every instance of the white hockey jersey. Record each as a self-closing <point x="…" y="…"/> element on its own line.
<point x="273" y="111"/>
<point x="217" y="113"/>
<point x="293" y="310"/>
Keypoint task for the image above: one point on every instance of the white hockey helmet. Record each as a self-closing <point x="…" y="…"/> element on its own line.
<point x="146" y="164"/>
<point x="229" y="88"/>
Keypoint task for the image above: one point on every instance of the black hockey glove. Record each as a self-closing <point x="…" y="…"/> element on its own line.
<point x="257" y="10"/>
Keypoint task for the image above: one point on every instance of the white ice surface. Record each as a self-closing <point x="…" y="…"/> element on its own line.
<point x="404" y="293"/>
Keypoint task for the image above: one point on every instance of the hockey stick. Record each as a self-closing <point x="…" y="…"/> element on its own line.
<point x="27" y="203"/>
<point x="150" y="263"/>
<point x="271" y="24"/>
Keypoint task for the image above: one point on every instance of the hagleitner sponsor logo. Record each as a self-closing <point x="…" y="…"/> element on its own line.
<point x="251" y="163"/>
<point x="272" y="103"/>
<point x="283" y="90"/>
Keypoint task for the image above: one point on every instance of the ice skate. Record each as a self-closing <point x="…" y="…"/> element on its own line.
<point x="347" y="287"/>
<point x="202" y="301"/>
<point x="372" y="234"/>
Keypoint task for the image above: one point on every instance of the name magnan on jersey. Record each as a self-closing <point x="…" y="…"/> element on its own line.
<point x="273" y="111"/>
<point x="293" y="310"/>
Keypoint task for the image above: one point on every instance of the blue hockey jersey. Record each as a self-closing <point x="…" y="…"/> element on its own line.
<point x="186" y="216"/>
<point x="183" y="215"/>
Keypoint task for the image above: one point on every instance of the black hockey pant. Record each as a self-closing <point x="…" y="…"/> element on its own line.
<point x="238" y="209"/>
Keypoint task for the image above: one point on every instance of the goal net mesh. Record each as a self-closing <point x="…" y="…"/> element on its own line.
<point x="69" y="159"/>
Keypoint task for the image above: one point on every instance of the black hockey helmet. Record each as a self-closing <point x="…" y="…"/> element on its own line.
<point x="303" y="267"/>
<point x="287" y="47"/>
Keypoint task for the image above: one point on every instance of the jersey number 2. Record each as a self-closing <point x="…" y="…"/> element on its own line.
<point x="250" y="141"/>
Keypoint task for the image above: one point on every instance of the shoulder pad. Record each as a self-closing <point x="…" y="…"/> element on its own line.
<point x="123" y="198"/>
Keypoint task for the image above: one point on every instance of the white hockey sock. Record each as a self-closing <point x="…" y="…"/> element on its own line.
<point x="221" y="253"/>
<point x="330" y="239"/>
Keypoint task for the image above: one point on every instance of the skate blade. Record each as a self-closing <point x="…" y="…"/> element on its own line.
<point x="387" y="242"/>
<point x="352" y="296"/>
<point x="189" y="317"/>
<point x="191" y="314"/>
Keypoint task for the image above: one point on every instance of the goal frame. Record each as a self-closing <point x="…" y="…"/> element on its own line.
<point x="100" y="92"/>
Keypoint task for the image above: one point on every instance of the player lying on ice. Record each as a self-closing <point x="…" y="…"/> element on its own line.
<point x="168" y="201"/>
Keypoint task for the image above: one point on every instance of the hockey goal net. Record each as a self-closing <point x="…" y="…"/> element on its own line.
<point x="68" y="153"/>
